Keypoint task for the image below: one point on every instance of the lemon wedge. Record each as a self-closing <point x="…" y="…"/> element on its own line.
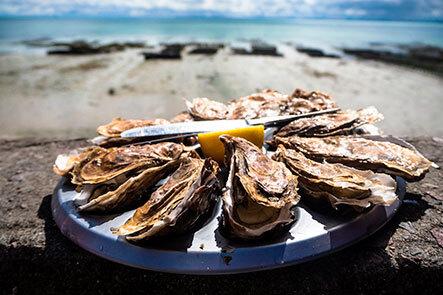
<point x="213" y="148"/>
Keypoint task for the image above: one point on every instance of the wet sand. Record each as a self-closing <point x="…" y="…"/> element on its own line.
<point x="68" y="96"/>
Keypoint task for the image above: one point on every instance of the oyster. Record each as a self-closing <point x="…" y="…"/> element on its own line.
<point x="116" y="195"/>
<point x="319" y="100"/>
<point x="64" y="163"/>
<point x="339" y="184"/>
<point x="206" y="109"/>
<point x="118" y="125"/>
<point x="260" y="192"/>
<point x="343" y="122"/>
<point x="178" y="204"/>
<point x="106" y="164"/>
<point x="362" y="153"/>
<point x="263" y="104"/>
<point x="182" y="117"/>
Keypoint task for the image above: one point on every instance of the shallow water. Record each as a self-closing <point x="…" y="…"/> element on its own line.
<point x="321" y="33"/>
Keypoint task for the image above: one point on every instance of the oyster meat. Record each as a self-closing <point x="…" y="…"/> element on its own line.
<point x="263" y="104"/>
<point x="339" y="184"/>
<point x="343" y="122"/>
<point x="118" y="125"/>
<point x="362" y="153"/>
<point x="260" y="193"/>
<point x="178" y="204"/>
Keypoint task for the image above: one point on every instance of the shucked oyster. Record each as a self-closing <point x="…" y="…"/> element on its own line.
<point x="178" y="204"/>
<point x="110" y="163"/>
<point x="260" y="192"/>
<point x="339" y="184"/>
<point x="342" y="122"/>
<point x="362" y="153"/>
<point x="263" y="104"/>
<point x="118" y="125"/>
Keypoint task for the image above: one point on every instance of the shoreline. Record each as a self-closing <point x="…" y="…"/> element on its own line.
<point x="69" y="96"/>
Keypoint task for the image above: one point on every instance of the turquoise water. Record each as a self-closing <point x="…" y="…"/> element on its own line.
<point x="323" y="33"/>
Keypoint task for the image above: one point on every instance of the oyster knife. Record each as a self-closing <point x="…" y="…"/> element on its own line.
<point x="187" y="128"/>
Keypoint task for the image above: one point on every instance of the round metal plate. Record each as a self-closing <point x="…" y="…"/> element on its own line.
<point x="206" y="251"/>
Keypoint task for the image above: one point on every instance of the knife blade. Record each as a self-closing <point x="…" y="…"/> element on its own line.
<point x="187" y="128"/>
<point x="184" y="128"/>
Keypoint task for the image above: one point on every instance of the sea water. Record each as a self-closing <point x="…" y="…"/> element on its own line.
<point x="317" y="33"/>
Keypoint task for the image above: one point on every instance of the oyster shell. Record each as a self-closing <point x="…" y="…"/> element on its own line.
<point x="339" y="184"/>
<point x="64" y="163"/>
<point x="206" y="109"/>
<point x="111" y="196"/>
<point x="105" y="164"/>
<point x="263" y="104"/>
<point x="362" y="153"/>
<point x="118" y="125"/>
<point x="319" y="100"/>
<point x="182" y="117"/>
<point x="343" y="122"/>
<point x="178" y="204"/>
<point x="260" y="192"/>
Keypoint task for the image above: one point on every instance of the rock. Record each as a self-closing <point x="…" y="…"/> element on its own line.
<point x="314" y="52"/>
<point x="438" y="235"/>
<point x="257" y="48"/>
<point x="81" y="47"/>
<point x="203" y="48"/>
<point x="111" y="91"/>
<point x="168" y="51"/>
<point x="424" y="57"/>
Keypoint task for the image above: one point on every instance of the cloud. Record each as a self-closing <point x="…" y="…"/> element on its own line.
<point x="390" y="9"/>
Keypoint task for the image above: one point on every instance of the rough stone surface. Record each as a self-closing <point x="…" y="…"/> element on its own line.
<point x="403" y="257"/>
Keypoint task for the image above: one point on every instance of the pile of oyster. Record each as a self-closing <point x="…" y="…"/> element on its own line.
<point x="337" y="160"/>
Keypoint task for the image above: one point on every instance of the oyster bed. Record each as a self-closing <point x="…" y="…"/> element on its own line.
<point x="328" y="161"/>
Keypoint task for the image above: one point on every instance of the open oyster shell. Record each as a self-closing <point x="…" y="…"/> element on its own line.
<point x="260" y="192"/>
<point x="343" y="122"/>
<point x="362" y="153"/>
<point x="105" y="164"/>
<point x="339" y="184"/>
<point x="178" y="204"/>
<point x="262" y="104"/>
<point x="111" y="196"/>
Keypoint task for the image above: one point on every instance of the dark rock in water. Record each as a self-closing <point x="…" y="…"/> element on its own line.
<point x="425" y="57"/>
<point x="314" y="52"/>
<point x="264" y="49"/>
<point x="169" y="51"/>
<point x="239" y="50"/>
<point x="257" y="48"/>
<point x="81" y="47"/>
<point x="38" y="42"/>
<point x="205" y="49"/>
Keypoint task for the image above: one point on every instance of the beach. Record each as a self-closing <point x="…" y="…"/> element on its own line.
<point x="69" y="96"/>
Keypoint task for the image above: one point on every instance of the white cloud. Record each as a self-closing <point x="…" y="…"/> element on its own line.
<point x="307" y="8"/>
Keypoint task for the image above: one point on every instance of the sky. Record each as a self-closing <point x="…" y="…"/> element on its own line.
<point x="354" y="9"/>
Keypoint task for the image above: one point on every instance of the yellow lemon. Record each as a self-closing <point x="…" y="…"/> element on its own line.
<point x="213" y="148"/>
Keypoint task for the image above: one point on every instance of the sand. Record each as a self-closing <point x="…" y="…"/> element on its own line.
<point x="68" y="96"/>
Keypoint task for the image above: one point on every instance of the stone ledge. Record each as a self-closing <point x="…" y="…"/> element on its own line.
<point x="403" y="257"/>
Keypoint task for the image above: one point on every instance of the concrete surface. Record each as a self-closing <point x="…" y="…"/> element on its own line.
<point x="404" y="257"/>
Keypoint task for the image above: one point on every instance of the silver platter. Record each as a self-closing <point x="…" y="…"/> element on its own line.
<point x="207" y="251"/>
